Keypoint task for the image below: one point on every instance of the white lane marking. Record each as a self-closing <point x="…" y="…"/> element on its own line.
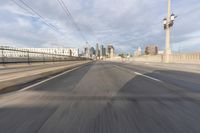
<point x="38" y="83"/>
<point x="148" y="77"/>
<point x="16" y="77"/>
<point x="140" y="74"/>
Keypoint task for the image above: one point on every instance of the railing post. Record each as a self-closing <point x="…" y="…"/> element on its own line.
<point x="43" y="58"/>
<point x="3" y="59"/>
<point x="28" y="57"/>
<point x="53" y="58"/>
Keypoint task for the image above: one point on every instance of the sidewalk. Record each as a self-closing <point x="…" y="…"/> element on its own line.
<point x="12" y="68"/>
<point x="20" y="65"/>
<point x="9" y="79"/>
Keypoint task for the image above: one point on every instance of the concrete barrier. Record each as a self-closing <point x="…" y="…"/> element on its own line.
<point x="148" y="58"/>
<point x="187" y="58"/>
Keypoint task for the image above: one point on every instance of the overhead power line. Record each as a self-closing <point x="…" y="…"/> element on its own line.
<point x="25" y="6"/>
<point x="69" y="15"/>
<point x="22" y="7"/>
<point x="35" y="12"/>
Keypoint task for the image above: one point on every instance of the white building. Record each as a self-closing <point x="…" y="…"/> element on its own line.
<point x="138" y="52"/>
<point x="59" y="51"/>
<point x="110" y="51"/>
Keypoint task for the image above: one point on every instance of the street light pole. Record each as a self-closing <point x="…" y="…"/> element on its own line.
<point x="168" y="30"/>
<point x="168" y="23"/>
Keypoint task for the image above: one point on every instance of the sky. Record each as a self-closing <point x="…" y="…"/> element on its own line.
<point x="127" y="24"/>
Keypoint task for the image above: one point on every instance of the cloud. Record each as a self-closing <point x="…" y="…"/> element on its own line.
<point x="125" y="23"/>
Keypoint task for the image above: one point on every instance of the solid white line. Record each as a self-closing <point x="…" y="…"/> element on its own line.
<point x="38" y="83"/>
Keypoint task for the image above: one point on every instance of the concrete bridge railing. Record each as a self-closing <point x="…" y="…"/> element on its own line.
<point x="11" y="55"/>
<point x="192" y="58"/>
<point x="186" y="58"/>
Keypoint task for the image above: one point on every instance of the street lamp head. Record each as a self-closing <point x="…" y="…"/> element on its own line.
<point x="173" y="17"/>
<point x="164" y="21"/>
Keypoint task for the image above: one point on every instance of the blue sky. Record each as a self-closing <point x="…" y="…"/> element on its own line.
<point x="126" y="24"/>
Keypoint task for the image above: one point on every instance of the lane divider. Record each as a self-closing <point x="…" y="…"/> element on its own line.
<point x="140" y="74"/>
<point x="158" y="80"/>
<point x="43" y="81"/>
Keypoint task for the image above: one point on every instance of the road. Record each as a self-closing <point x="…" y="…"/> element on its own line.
<point x="105" y="97"/>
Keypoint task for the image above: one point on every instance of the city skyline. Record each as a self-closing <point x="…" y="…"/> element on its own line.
<point x="126" y="28"/>
<point x="99" y="66"/>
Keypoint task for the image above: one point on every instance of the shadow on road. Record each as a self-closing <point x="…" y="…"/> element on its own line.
<point x="142" y="105"/>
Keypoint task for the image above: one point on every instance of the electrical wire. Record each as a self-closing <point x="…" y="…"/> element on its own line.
<point x="69" y="15"/>
<point x="36" y="13"/>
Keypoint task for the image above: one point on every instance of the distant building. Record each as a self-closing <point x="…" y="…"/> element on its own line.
<point x="161" y="52"/>
<point x="60" y="51"/>
<point x="97" y="51"/>
<point x="110" y="51"/>
<point x="138" y="52"/>
<point x="151" y="50"/>
<point x="102" y="52"/>
<point x="87" y="52"/>
<point x="92" y="52"/>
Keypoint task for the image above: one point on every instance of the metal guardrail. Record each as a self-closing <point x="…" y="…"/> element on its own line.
<point x="12" y="55"/>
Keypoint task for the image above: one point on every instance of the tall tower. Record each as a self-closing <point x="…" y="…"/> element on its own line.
<point x="87" y="50"/>
<point x="97" y="51"/>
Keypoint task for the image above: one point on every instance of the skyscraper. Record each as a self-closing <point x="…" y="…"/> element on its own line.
<point x="111" y="51"/>
<point x="97" y="51"/>
<point x="92" y="52"/>
<point x="87" y="52"/>
<point x="102" y="52"/>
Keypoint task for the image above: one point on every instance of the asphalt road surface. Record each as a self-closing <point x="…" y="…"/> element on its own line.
<point x="105" y="97"/>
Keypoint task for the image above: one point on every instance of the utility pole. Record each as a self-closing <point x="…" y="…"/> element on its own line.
<point x="168" y="23"/>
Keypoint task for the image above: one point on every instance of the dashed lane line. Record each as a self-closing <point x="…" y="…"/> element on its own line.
<point x="140" y="74"/>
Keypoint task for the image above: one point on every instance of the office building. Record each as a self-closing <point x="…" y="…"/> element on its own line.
<point x="110" y="51"/>
<point x="151" y="50"/>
